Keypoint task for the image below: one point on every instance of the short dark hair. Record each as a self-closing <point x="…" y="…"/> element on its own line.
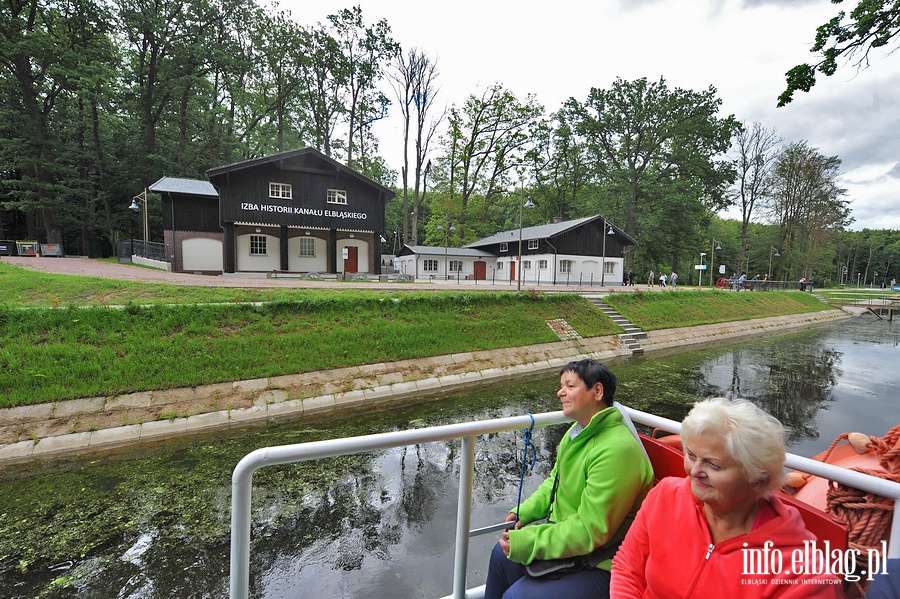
<point x="591" y="373"/>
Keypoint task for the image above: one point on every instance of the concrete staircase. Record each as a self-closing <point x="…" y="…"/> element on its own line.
<point x="632" y="335"/>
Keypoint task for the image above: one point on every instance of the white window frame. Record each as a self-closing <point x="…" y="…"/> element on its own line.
<point x="566" y="266"/>
<point x="281" y="191"/>
<point x="258" y="245"/>
<point x="526" y="265"/>
<point x="456" y="265"/>
<point x="336" y="196"/>
<point x="429" y="265"/>
<point x="307" y="247"/>
<point x="534" y="244"/>
<point x="542" y="264"/>
<point x="500" y="266"/>
<point x="609" y="268"/>
<point x="504" y="247"/>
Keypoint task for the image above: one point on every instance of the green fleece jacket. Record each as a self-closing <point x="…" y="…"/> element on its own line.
<point x="603" y="478"/>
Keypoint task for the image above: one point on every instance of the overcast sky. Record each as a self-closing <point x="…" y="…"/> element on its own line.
<point x="560" y="49"/>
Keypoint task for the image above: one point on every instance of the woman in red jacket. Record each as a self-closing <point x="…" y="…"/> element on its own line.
<point x="721" y="532"/>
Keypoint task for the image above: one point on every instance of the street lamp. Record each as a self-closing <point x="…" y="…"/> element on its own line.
<point x="777" y="255"/>
<point x="700" y="274"/>
<point x="446" y="243"/>
<point x="528" y="204"/>
<point x="608" y="230"/>
<point x="142" y="197"/>
<point x="712" y="259"/>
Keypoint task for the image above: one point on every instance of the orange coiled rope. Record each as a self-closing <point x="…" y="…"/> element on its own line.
<point x="868" y="516"/>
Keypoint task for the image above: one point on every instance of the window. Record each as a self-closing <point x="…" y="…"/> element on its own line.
<point x="456" y="266"/>
<point x="609" y="268"/>
<point x="280" y="190"/>
<point x="258" y="245"/>
<point x="430" y="265"/>
<point x="337" y="196"/>
<point x="565" y="266"/>
<point x="526" y="264"/>
<point x="499" y="266"/>
<point x="542" y="264"/>
<point x="307" y="247"/>
<point x="504" y="247"/>
<point x="533" y="244"/>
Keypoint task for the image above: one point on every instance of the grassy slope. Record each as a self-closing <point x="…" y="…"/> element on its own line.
<point x="663" y="310"/>
<point x="182" y="336"/>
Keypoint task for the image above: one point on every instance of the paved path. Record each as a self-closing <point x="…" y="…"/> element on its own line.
<point x="129" y="272"/>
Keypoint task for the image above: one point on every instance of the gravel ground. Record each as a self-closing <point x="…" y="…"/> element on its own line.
<point x="86" y="267"/>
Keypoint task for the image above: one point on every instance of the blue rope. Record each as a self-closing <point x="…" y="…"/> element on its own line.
<point x="525" y="464"/>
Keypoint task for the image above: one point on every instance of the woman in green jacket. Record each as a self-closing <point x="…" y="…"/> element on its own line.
<point x="585" y="507"/>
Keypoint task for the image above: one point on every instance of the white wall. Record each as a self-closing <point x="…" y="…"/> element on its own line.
<point x="201" y="253"/>
<point x="298" y="263"/>
<point x="271" y="261"/>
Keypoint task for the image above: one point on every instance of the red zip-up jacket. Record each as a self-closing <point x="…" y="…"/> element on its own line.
<point x="668" y="554"/>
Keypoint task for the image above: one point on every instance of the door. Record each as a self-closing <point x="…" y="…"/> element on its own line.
<point x="512" y="271"/>
<point x="480" y="270"/>
<point x="350" y="262"/>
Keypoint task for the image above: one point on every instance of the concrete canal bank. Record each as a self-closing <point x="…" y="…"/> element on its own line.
<point x="103" y="423"/>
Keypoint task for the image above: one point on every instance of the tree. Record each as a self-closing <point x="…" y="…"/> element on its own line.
<point x="54" y="59"/>
<point x="414" y="83"/>
<point x="365" y="51"/>
<point x="756" y="151"/>
<point x="657" y="152"/>
<point x="872" y="24"/>
<point x="488" y="138"/>
<point x="807" y="205"/>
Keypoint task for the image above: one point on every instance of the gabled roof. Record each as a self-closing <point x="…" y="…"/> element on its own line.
<point x="194" y="187"/>
<point x="546" y="232"/>
<point x="464" y="252"/>
<point x="306" y="159"/>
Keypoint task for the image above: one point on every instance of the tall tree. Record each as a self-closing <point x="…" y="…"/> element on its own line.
<point x="659" y="147"/>
<point x="756" y="149"/>
<point x="807" y="205"/>
<point x="488" y="138"/>
<point x="365" y="52"/>
<point x="872" y="24"/>
<point x="414" y="80"/>
<point x="50" y="54"/>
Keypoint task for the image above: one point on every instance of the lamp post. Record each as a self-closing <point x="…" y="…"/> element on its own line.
<point x="446" y="243"/>
<point x="522" y="205"/>
<point x="142" y="197"/>
<point x="777" y="255"/>
<point x="712" y="258"/>
<point x="700" y="274"/>
<point x="607" y="230"/>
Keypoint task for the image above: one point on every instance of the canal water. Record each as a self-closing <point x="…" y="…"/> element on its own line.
<point x="154" y="522"/>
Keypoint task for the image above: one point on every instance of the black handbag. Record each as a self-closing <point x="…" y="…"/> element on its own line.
<point x="545" y="567"/>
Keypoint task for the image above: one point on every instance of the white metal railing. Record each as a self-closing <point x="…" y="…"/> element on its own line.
<point x="241" y="482"/>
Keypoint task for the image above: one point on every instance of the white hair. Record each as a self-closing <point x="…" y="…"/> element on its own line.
<point x="753" y="438"/>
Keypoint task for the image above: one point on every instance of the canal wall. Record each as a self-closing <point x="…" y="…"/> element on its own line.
<point x="104" y="423"/>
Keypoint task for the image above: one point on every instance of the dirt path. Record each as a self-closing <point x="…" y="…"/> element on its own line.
<point x="86" y="267"/>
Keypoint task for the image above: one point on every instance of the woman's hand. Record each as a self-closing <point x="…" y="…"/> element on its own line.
<point x="504" y="539"/>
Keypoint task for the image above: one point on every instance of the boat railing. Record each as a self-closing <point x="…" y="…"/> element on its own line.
<point x="241" y="481"/>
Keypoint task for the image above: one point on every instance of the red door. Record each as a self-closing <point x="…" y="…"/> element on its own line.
<point x="480" y="271"/>
<point x="512" y="271"/>
<point x="351" y="264"/>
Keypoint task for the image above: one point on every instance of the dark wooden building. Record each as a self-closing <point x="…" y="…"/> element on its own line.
<point x="191" y="230"/>
<point x="299" y="211"/>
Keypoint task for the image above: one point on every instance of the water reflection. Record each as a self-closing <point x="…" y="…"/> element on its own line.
<point x="155" y="522"/>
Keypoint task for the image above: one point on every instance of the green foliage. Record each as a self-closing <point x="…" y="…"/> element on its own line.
<point x="872" y="24"/>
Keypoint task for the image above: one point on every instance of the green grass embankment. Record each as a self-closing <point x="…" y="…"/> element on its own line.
<point x="674" y="309"/>
<point x="168" y="336"/>
<point x="57" y="354"/>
